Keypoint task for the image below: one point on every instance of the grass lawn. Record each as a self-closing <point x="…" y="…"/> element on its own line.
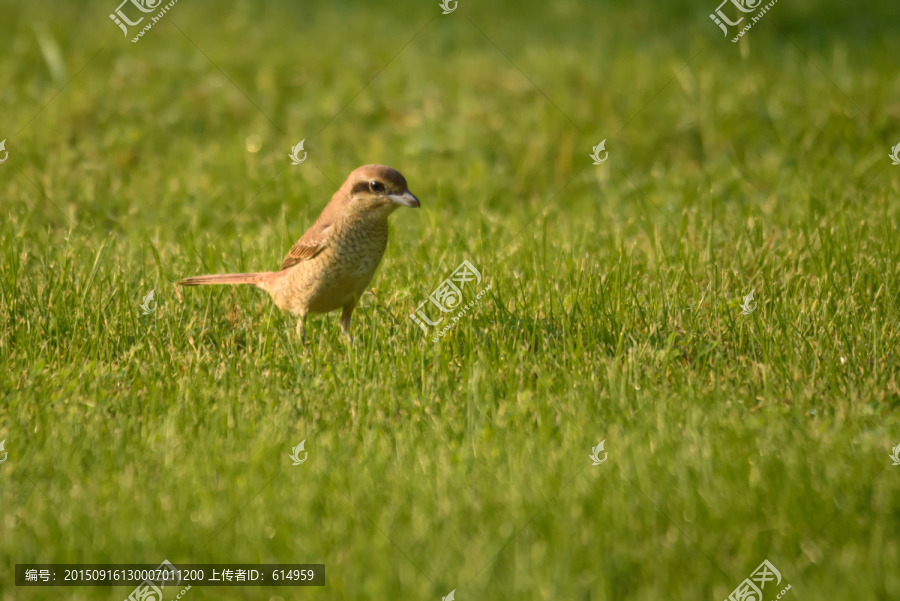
<point x="613" y="312"/>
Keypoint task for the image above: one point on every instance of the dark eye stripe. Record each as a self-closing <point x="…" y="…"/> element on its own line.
<point x="359" y="187"/>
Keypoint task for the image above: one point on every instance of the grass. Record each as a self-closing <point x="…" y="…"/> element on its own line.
<point x="613" y="311"/>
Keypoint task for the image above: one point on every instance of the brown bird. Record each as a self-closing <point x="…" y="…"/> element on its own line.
<point x="332" y="264"/>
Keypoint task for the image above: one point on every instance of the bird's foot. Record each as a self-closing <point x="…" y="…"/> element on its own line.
<point x="301" y="332"/>
<point x="345" y="329"/>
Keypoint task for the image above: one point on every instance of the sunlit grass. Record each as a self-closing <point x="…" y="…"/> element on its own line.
<point x="613" y="312"/>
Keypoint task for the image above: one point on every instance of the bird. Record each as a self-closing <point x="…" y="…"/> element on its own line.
<point x="331" y="265"/>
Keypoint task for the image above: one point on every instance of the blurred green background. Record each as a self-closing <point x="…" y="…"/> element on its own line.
<point x="613" y="312"/>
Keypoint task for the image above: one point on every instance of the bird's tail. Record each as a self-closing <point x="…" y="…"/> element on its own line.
<point x="227" y="278"/>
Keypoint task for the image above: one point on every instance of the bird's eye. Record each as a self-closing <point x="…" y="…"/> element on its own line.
<point x="376" y="186"/>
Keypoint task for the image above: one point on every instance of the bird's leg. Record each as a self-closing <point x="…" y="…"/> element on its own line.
<point x="345" y="318"/>
<point x="301" y="327"/>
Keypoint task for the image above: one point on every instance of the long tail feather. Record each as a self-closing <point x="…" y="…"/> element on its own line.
<point x="226" y="278"/>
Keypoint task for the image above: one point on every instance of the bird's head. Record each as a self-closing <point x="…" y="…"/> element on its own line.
<point x="376" y="191"/>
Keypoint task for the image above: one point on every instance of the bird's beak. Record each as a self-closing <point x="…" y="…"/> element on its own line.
<point x="406" y="199"/>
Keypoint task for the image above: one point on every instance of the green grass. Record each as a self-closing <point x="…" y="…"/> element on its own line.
<point x="613" y="312"/>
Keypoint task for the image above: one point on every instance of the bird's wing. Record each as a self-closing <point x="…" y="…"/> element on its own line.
<point x="312" y="243"/>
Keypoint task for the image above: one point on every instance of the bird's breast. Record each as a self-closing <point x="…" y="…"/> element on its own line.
<point x="367" y="265"/>
<point x="343" y="270"/>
